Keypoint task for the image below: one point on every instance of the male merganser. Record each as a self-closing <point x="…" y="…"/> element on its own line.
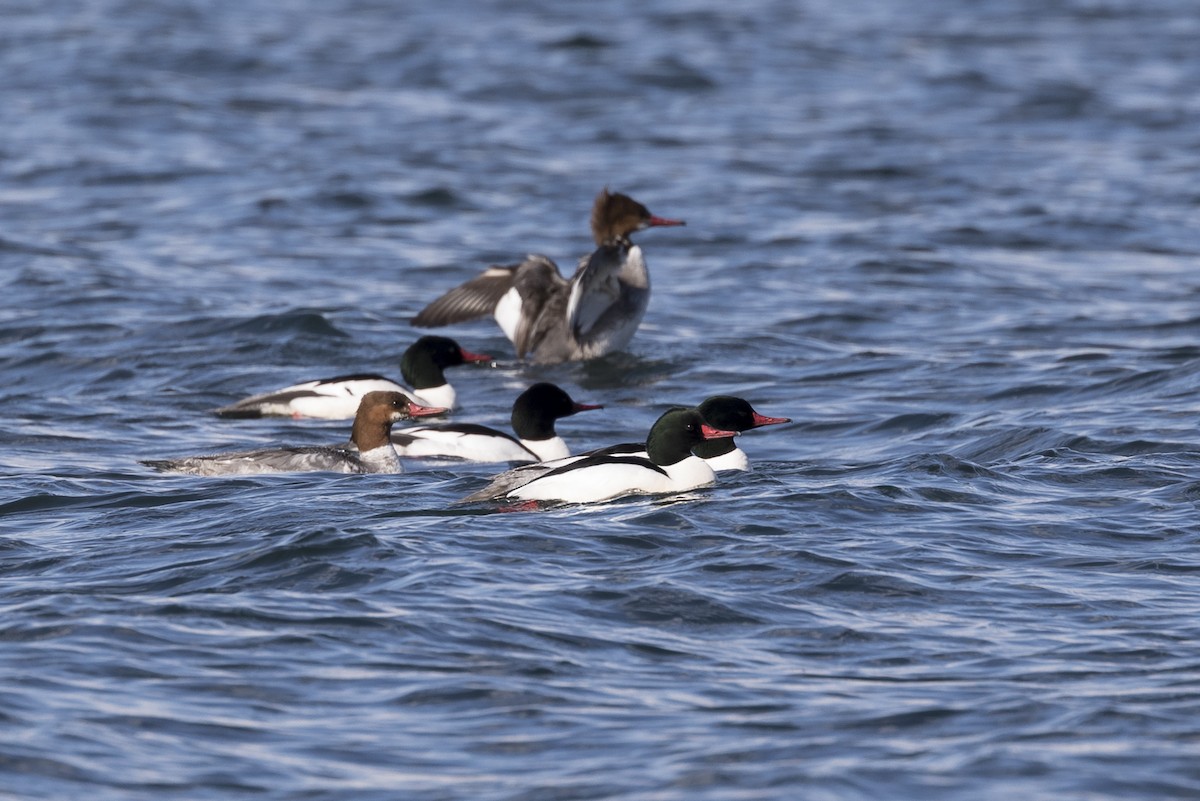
<point x="721" y="453"/>
<point x="555" y="320"/>
<point x="369" y="450"/>
<point x="533" y="416"/>
<point x="732" y="414"/>
<point x="337" y="398"/>
<point x="668" y="467"/>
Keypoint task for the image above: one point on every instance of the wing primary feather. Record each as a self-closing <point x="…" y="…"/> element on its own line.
<point x="475" y="298"/>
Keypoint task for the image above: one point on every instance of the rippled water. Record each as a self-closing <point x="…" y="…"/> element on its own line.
<point x="955" y="242"/>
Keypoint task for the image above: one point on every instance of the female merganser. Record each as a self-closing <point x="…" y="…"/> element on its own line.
<point x="668" y="467"/>
<point x="720" y="411"/>
<point x="369" y="450"/>
<point x="555" y="320"/>
<point x="533" y="416"/>
<point x="337" y="398"/>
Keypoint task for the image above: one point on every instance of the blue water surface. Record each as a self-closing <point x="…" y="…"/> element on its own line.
<point x="957" y="243"/>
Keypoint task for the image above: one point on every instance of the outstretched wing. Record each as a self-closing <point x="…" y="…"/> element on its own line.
<point x="476" y="298"/>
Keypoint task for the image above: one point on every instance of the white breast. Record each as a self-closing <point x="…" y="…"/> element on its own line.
<point x="443" y="397"/>
<point x="547" y="449"/>
<point x="734" y="460"/>
<point x="381" y="460"/>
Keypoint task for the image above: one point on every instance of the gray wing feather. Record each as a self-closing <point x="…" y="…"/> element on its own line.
<point x="596" y="288"/>
<point x="507" y="481"/>
<point x="543" y="290"/>
<point x="266" y="460"/>
<point x="476" y="298"/>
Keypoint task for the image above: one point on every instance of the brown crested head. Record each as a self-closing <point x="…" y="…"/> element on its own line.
<point x="376" y="413"/>
<point x="616" y="216"/>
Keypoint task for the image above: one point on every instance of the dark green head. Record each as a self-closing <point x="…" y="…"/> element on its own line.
<point x="673" y="435"/>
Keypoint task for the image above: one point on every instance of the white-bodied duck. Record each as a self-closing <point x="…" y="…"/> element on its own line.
<point x="533" y="415"/>
<point x="423" y="367"/>
<point x="723" y="412"/>
<point x="669" y="466"/>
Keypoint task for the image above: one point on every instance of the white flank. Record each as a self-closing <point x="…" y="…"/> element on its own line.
<point x="605" y="481"/>
<point x="508" y="314"/>
<point x="547" y="449"/>
<point x="339" y="401"/>
<point x="443" y="397"/>
<point x="734" y="460"/>
<point x="381" y="460"/>
<point x="434" y="443"/>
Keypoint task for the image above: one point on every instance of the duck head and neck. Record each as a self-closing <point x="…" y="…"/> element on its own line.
<point x="615" y="216"/>
<point x="377" y="411"/>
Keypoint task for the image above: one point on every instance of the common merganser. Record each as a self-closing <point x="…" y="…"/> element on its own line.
<point x="554" y="320"/>
<point x="720" y="411"/>
<point x="533" y="416"/>
<point x="369" y="450"/>
<point x="337" y="398"/>
<point x="669" y="467"/>
<point x="733" y="414"/>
